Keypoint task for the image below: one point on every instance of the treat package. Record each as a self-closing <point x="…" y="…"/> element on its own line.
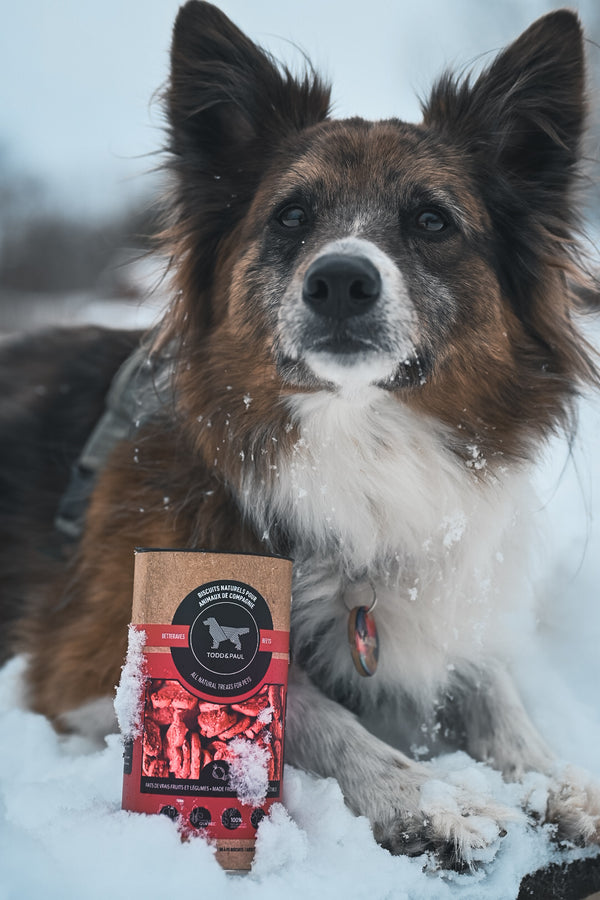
<point x="202" y="698"/>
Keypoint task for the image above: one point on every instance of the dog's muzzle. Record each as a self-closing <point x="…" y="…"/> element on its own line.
<point x="347" y="318"/>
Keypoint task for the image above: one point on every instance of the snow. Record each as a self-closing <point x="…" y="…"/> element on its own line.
<point x="64" y="836"/>
<point x="130" y="691"/>
<point x="249" y="771"/>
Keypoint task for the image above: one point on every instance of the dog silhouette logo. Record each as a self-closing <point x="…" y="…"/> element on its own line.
<point x="220" y="633"/>
<point x="223" y="657"/>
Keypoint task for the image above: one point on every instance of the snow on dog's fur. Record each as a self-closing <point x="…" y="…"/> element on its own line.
<point x="372" y="332"/>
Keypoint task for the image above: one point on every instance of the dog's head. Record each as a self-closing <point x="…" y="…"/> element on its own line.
<point x="427" y="260"/>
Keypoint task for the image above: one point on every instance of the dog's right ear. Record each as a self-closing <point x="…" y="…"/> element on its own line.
<point x="229" y="107"/>
<point x="228" y="103"/>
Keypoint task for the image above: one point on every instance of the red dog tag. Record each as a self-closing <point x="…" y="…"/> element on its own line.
<point x="363" y="640"/>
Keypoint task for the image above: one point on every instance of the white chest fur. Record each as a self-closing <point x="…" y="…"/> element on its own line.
<point x="371" y="490"/>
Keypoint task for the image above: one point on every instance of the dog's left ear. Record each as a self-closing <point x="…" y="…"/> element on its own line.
<point x="523" y="117"/>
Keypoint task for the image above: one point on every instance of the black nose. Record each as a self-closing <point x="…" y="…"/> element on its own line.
<point x="339" y="286"/>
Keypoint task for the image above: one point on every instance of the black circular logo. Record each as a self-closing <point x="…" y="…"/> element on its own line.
<point x="170" y="812"/>
<point x="231" y="818"/>
<point x="200" y="817"/>
<point x="223" y="656"/>
<point x="257" y="817"/>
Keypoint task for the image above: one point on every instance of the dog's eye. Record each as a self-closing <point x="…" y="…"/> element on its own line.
<point x="292" y="216"/>
<point x="431" y="221"/>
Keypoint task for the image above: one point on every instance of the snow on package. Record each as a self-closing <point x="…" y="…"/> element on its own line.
<point x="202" y="697"/>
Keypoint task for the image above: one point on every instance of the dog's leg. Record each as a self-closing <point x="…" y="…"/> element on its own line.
<point x="381" y="783"/>
<point x="498" y="730"/>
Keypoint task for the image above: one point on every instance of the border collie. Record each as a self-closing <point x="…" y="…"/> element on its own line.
<point x="371" y="336"/>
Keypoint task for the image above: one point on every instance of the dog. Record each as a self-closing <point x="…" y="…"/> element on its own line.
<point x="372" y="333"/>
<point x="220" y="633"/>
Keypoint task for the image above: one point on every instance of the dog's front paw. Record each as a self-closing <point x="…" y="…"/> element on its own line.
<point x="460" y="828"/>
<point x="574" y="807"/>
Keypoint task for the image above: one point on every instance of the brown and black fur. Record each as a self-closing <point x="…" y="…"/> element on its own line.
<point x="53" y="388"/>
<point x="499" y="369"/>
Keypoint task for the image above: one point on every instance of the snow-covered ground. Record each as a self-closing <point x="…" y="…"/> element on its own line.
<point x="131" y="293"/>
<point x="63" y="835"/>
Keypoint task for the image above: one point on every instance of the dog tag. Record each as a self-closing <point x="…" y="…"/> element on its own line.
<point x="363" y="640"/>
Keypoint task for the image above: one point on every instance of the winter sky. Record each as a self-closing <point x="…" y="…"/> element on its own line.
<point x="78" y="78"/>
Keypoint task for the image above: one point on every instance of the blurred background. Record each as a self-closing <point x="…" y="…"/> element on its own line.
<point x="81" y="123"/>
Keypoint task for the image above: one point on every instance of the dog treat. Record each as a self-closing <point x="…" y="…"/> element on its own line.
<point x="206" y="679"/>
